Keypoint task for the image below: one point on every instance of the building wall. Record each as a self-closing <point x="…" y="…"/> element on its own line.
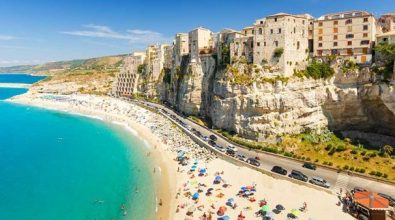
<point x="200" y="42"/>
<point x="349" y="34"/>
<point x="181" y="47"/>
<point x="386" y="23"/>
<point x="126" y="82"/>
<point x="242" y="47"/>
<point x="284" y="31"/>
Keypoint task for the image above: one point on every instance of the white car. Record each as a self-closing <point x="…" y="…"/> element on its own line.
<point x="319" y="182"/>
<point x="220" y="148"/>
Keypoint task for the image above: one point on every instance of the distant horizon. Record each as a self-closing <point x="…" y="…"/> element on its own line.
<point x="43" y="31"/>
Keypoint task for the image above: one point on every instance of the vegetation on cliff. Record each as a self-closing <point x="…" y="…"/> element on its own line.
<point x="316" y="70"/>
<point x="385" y="62"/>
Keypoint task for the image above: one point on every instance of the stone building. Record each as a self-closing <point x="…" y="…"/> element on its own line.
<point x="155" y="60"/>
<point x="201" y="42"/>
<point x="223" y="43"/>
<point x="386" y="23"/>
<point x="181" y="47"/>
<point x="242" y="47"/>
<point x="248" y="31"/>
<point x="347" y="34"/>
<point x="126" y="82"/>
<point x="281" y="40"/>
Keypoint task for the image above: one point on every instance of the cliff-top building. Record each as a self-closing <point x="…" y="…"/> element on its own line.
<point x="201" y="42"/>
<point x="181" y="47"/>
<point x="386" y="23"/>
<point x="347" y="34"/>
<point x="282" y="40"/>
<point x="126" y="82"/>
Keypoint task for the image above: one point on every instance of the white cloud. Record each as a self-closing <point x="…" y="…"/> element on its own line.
<point x="134" y="36"/>
<point x="7" y="37"/>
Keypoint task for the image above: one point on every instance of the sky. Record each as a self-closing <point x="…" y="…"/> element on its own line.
<point x="39" y="31"/>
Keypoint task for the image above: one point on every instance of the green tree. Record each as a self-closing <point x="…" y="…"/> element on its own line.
<point x="386" y="58"/>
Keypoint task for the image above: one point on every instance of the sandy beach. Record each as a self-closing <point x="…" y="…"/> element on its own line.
<point x="189" y="192"/>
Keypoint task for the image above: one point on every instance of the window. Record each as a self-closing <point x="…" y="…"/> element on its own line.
<point x="298" y="45"/>
<point x="349" y="21"/>
<point x="319" y="52"/>
<point x="365" y="19"/>
<point x="365" y="34"/>
<point x="349" y="43"/>
<point x="320" y="31"/>
<point x="260" y="30"/>
<point x="349" y="28"/>
<point x="275" y="19"/>
<point x="365" y="50"/>
<point x="335" y="22"/>
<point x="319" y="44"/>
<point x="349" y="52"/>
<point x="365" y="27"/>
<point x="253" y="31"/>
<point x="348" y="36"/>
<point x="335" y="30"/>
<point x="365" y="42"/>
<point x="258" y="44"/>
<point x="320" y="38"/>
<point x="320" y="24"/>
<point x="279" y="30"/>
<point x="294" y="30"/>
<point x="264" y="43"/>
<point x="271" y="31"/>
<point x="303" y="22"/>
<point x="335" y="44"/>
<point x="261" y="22"/>
<point x="276" y="43"/>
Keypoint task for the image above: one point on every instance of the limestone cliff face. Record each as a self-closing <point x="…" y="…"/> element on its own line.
<point x="266" y="110"/>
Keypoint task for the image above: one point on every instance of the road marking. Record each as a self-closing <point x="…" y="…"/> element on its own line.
<point x="341" y="182"/>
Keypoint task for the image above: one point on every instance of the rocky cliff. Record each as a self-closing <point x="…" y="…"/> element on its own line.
<point x="267" y="108"/>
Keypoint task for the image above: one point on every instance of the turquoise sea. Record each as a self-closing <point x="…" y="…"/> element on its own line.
<point x="60" y="166"/>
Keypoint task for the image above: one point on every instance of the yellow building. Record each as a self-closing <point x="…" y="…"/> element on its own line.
<point x="347" y="34"/>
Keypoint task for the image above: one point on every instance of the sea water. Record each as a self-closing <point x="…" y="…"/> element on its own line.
<point x="55" y="165"/>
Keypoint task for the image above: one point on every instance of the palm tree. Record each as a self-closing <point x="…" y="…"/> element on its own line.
<point x="388" y="149"/>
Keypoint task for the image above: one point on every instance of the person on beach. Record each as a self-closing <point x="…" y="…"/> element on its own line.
<point x="241" y="216"/>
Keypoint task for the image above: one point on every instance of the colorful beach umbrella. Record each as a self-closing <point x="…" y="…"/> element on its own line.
<point x="295" y="212"/>
<point x="195" y="196"/>
<point x="265" y="208"/>
<point x="270" y="215"/>
<point x="224" y="218"/>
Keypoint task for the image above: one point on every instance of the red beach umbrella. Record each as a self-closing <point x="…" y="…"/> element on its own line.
<point x="371" y="200"/>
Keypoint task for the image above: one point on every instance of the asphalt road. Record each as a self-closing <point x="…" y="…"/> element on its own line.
<point x="336" y="180"/>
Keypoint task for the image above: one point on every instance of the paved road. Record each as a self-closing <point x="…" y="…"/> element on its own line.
<point x="337" y="180"/>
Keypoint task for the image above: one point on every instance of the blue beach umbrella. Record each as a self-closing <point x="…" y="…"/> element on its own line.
<point x="223" y="218"/>
<point x="202" y="171"/>
<point x="218" y="178"/>
<point x="195" y="196"/>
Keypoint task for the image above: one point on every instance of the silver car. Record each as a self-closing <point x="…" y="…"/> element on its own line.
<point x="319" y="182"/>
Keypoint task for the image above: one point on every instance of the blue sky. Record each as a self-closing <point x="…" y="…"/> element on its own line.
<point x="41" y="30"/>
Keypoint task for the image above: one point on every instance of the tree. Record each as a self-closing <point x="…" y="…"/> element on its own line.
<point x="386" y="57"/>
<point x="388" y="149"/>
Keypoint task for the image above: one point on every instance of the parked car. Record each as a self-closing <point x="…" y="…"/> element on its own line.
<point x="253" y="161"/>
<point x="230" y="152"/>
<point x="298" y="175"/>
<point x="279" y="170"/>
<point x="241" y="157"/>
<point x="390" y="199"/>
<point x="220" y="148"/>
<point x="310" y="166"/>
<point x="213" y="137"/>
<point x="358" y="189"/>
<point x="319" y="182"/>
<point x="231" y="147"/>
<point x="212" y="143"/>
<point x="205" y="138"/>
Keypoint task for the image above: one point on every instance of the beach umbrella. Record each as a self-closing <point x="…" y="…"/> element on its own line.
<point x="231" y="200"/>
<point x="221" y="211"/>
<point x="295" y="212"/>
<point x="195" y="196"/>
<point x="280" y="207"/>
<point x="265" y="208"/>
<point x="202" y="171"/>
<point x="191" y="208"/>
<point x="194" y="167"/>
<point x="223" y="218"/>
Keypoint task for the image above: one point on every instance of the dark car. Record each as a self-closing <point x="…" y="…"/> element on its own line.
<point x="230" y="152"/>
<point x="390" y="199"/>
<point x="253" y="161"/>
<point x="213" y="137"/>
<point x="310" y="166"/>
<point x="358" y="189"/>
<point x="298" y="175"/>
<point x="212" y="143"/>
<point x="279" y="170"/>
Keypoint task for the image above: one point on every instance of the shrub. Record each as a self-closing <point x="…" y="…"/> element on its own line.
<point x="371" y="155"/>
<point x="385" y="175"/>
<point x="278" y="52"/>
<point x="357" y="170"/>
<point x="373" y="173"/>
<point x="308" y="159"/>
<point x="330" y="163"/>
<point x="331" y="152"/>
<point x="362" y="170"/>
<point x="288" y="154"/>
<point x="363" y="153"/>
<point x="353" y="152"/>
<point x="319" y="70"/>
<point x="316" y="161"/>
<point x="378" y="173"/>
<point x="351" y="169"/>
<point x="366" y="158"/>
<point x="325" y="163"/>
<point x="345" y="167"/>
<point x="340" y="148"/>
<point x="328" y="147"/>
